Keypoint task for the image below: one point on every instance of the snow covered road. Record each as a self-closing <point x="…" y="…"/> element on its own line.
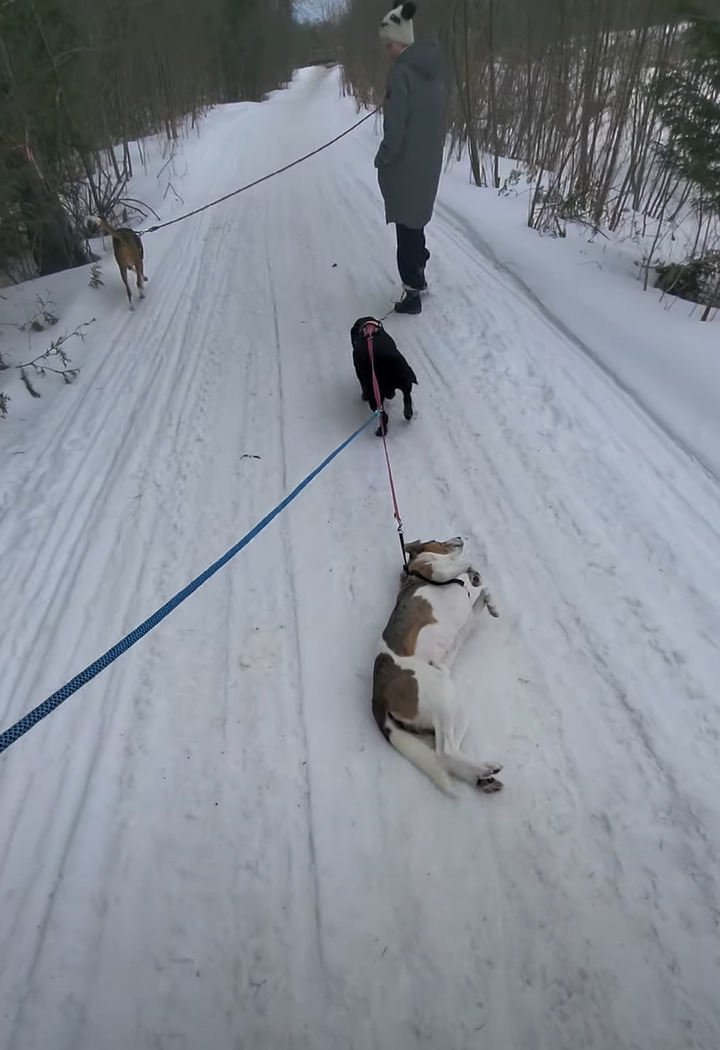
<point x="211" y="846"/>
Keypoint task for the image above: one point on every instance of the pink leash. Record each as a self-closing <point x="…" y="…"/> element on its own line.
<point x="368" y="332"/>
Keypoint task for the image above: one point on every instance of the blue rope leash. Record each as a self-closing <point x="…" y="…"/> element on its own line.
<point x="44" y="709"/>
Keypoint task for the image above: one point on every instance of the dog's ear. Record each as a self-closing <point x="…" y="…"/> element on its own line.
<point x="453" y="546"/>
<point x="413" y="549"/>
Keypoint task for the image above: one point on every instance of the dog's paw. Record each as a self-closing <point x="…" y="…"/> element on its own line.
<point x="408" y="413"/>
<point x="490" y="603"/>
<point x="486" y="782"/>
<point x="487" y="770"/>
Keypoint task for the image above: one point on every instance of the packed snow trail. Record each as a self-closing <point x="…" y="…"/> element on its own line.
<point x="211" y="845"/>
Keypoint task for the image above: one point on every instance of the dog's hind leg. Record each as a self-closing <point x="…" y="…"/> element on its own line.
<point x="123" y="274"/>
<point x="421" y="754"/>
<point x="479" y="774"/>
<point x="489" y="602"/>
<point x="141" y="252"/>
<point x="451" y="724"/>
<point x="407" y="405"/>
<point x="139" y="275"/>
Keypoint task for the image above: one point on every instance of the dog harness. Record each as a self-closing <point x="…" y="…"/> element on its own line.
<point x="369" y="329"/>
<point x="435" y="583"/>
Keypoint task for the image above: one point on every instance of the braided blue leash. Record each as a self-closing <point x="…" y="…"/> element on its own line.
<point x="47" y="706"/>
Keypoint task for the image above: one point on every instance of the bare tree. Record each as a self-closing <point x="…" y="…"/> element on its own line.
<point x="564" y="87"/>
<point x="80" y="81"/>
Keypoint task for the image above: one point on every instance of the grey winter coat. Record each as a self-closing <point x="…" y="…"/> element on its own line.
<point x="409" y="161"/>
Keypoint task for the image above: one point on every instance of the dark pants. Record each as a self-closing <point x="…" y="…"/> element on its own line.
<point x="412" y="256"/>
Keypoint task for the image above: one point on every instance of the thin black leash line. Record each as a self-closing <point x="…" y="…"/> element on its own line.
<point x="257" y="182"/>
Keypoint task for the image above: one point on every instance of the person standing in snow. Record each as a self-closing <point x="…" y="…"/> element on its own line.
<point x="409" y="160"/>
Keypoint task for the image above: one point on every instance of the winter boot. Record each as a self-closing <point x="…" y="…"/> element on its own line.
<point x="410" y="303"/>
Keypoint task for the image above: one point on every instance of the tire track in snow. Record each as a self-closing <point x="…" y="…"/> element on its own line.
<point x="171" y="561"/>
<point x="292" y="599"/>
<point x="93" y="728"/>
<point x="168" y="577"/>
<point x="472" y="236"/>
<point x="659" y="766"/>
<point x="80" y="507"/>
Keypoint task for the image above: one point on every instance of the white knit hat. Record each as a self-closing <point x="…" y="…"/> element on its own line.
<point x="397" y="25"/>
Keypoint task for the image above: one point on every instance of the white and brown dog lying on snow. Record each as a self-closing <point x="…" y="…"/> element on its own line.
<point x="413" y="692"/>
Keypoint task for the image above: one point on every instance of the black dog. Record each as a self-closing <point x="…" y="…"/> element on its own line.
<point x="391" y="369"/>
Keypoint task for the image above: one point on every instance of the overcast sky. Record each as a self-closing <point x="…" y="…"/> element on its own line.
<point x="309" y="8"/>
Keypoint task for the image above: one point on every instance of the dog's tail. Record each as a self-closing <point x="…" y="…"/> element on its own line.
<point x="415" y="750"/>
